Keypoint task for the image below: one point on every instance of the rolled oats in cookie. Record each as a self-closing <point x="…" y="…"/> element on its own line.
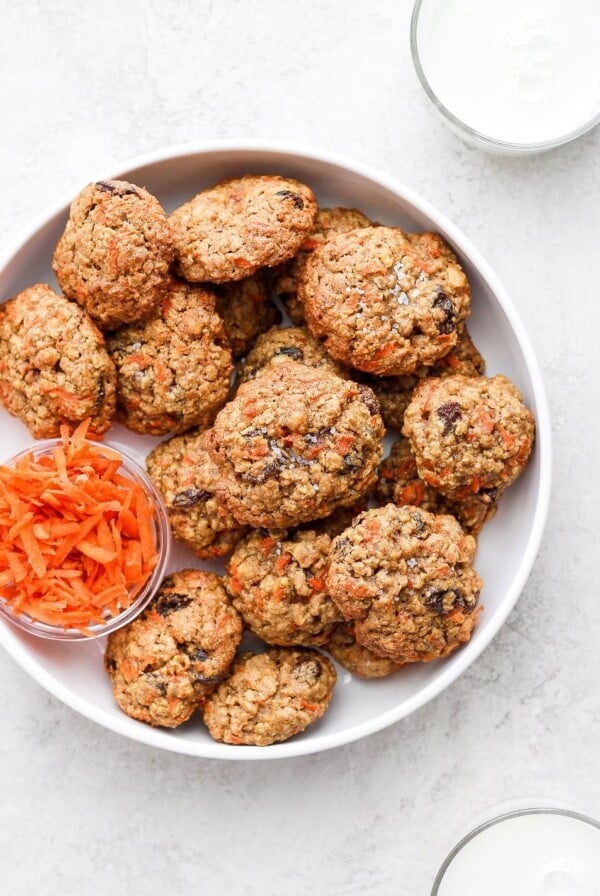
<point x="384" y="302"/>
<point x="277" y="583"/>
<point x="246" y="311"/>
<point x="115" y="253"/>
<point x="469" y="435"/>
<point x="269" y="697"/>
<point x="327" y="222"/>
<point x="294" y="444"/>
<point x="54" y="366"/>
<point x="406" y="579"/>
<point x="241" y="224"/>
<point x="174" y="370"/>
<point x="281" y="344"/>
<point x="183" y="472"/>
<point x="394" y="393"/>
<point x="166" y="661"/>
<point x="359" y="660"/>
<point x="399" y="482"/>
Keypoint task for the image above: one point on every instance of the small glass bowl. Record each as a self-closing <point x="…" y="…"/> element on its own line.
<point x="555" y="881"/>
<point x="131" y="469"/>
<point x="465" y="132"/>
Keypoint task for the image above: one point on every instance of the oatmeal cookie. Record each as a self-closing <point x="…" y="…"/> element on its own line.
<point x="294" y="444"/>
<point x="406" y="578"/>
<point x="469" y="435"/>
<point x="174" y="370"/>
<point x="242" y="224"/>
<point x="281" y="344"/>
<point x="167" y="660"/>
<point x="383" y="302"/>
<point x="246" y="311"/>
<point x="395" y="392"/>
<point x="270" y="697"/>
<point x="183" y="472"/>
<point x="327" y="222"/>
<point x="115" y="253"/>
<point x="54" y="367"/>
<point x="362" y="662"/>
<point x="399" y="482"/>
<point x="277" y="584"/>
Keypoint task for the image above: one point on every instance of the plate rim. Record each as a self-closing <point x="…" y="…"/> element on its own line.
<point x="454" y="665"/>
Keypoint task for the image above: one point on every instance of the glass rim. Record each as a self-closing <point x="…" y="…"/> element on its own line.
<point x="132" y="468"/>
<point x="498" y="819"/>
<point x="478" y="136"/>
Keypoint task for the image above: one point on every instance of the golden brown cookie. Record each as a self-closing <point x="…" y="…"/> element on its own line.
<point x="54" y="367"/>
<point x="327" y="222"/>
<point x="383" y="302"/>
<point x="406" y="579"/>
<point x="270" y="697"/>
<point x="246" y="311"/>
<point x="281" y="344"/>
<point x="174" y="370"/>
<point x="277" y="584"/>
<point x="183" y="472"/>
<point x="400" y="483"/>
<point x="364" y="663"/>
<point x="469" y="435"/>
<point x="395" y="392"/>
<point x="115" y="253"/>
<point x="167" y="660"/>
<point x="294" y="444"/>
<point x="242" y="224"/>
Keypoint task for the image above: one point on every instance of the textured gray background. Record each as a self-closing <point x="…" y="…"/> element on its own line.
<point x="85" y="86"/>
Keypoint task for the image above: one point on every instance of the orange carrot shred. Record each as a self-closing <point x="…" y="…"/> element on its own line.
<point x="77" y="536"/>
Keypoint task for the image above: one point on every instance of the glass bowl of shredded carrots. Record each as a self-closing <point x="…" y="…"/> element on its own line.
<point x="84" y="538"/>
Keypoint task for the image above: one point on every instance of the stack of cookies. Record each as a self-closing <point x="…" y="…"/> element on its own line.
<point x="328" y="546"/>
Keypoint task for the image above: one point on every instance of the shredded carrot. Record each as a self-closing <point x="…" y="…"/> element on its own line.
<point x="77" y="537"/>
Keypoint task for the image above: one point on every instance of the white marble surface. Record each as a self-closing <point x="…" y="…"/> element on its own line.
<point x="83" y="810"/>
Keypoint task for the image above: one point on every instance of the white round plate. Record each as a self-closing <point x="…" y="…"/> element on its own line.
<point x="508" y="544"/>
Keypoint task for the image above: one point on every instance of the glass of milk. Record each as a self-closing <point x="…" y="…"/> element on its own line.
<point x="513" y="76"/>
<point x="528" y="852"/>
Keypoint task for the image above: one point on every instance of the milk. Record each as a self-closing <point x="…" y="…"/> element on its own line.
<point x="516" y="71"/>
<point x="540" y="854"/>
